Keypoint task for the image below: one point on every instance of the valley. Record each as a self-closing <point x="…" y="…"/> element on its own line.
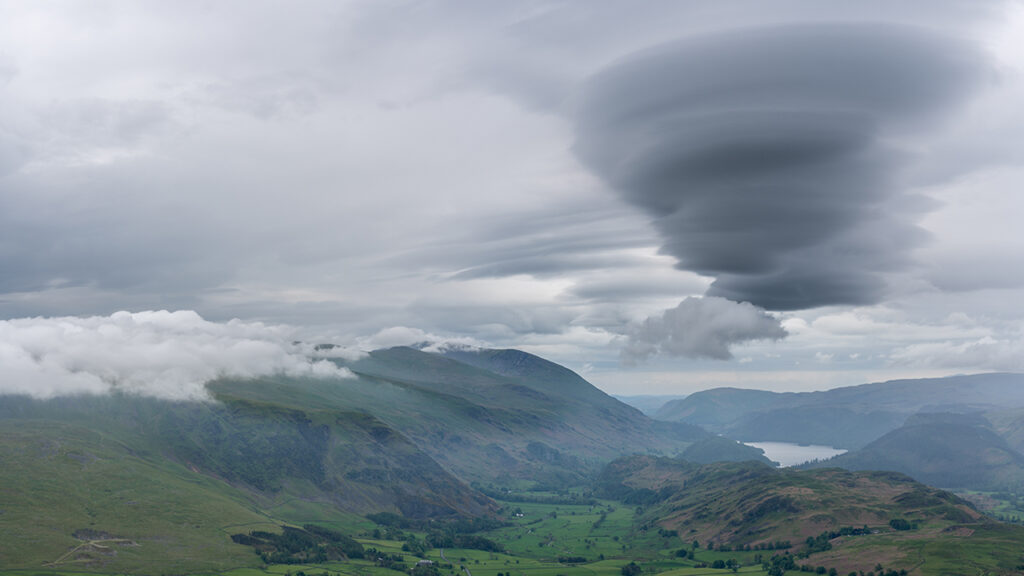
<point x="484" y="463"/>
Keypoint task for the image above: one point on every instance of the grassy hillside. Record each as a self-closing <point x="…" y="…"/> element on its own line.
<point x="504" y="415"/>
<point x="954" y="451"/>
<point x="123" y="484"/>
<point x="166" y="481"/>
<point x="719" y="449"/>
<point x="64" y="485"/>
<point x="163" y="479"/>
<point x="847" y="520"/>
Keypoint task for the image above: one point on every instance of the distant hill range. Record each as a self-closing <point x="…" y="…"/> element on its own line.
<point x="849" y="417"/>
<point x="648" y="404"/>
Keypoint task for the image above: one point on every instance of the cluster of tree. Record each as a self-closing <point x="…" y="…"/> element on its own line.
<point x="780" y="564"/>
<point x="425" y="570"/>
<point x="777" y="545"/>
<point x="632" y="569"/>
<point x="415" y="546"/>
<point x="902" y="524"/>
<point x="731" y="564"/>
<point x="819" y="543"/>
<point x="822" y="541"/>
<point x="880" y="571"/>
<point x="452" y="539"/>
<point x="311" y="544"/>
<point x="384" y="560"/>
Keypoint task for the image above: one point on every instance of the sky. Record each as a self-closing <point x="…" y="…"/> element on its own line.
<point x="664" y="196"/>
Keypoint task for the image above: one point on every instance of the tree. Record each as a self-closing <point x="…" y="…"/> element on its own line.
<point x="631" y="569"/>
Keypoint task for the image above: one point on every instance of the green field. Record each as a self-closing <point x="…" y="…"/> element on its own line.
<point x="536" y="536"/>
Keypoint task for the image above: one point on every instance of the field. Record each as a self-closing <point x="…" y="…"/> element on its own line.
<point x="536" y="537"/>
<point x="194" y="516"/>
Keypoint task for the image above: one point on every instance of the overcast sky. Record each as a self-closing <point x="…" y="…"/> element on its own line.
<point x="664" y="196"/>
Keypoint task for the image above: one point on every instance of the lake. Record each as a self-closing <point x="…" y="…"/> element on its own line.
<point x="789" y="454"/>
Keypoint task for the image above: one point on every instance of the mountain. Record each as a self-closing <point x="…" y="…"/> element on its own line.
<point x="850" y="521"/>
<point x="721" y="449"/>
<point x="646" y="403"/>
<point x="167" y="478"/>
<point x="169" y="481"/>
<point x="503" y="415"/>
<point x="955" y="451"/>
<point x="849" y="417"/>
<point x="400" y="455"/>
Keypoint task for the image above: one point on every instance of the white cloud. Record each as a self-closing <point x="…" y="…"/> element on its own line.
<point x="406" y="336"/>
<point x="701" y="328"/>
<point x="163" y="354"/>
<point x="1005" y="355"/>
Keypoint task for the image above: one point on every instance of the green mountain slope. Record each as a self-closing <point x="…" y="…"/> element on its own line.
<point x="173" y="478"/>
<point x="505" y="415"/>
<point x="819" y="517"/>
<point x="720" y="449"/>
<point x="404" y="437"/>
<point x="954" y="451"/>
<point x="65" y="484"/>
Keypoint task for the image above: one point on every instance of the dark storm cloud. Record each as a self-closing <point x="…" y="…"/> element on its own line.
<point x="768" y="157"/>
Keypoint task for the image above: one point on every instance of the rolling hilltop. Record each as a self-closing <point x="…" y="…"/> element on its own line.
<point x="850" y="521"/>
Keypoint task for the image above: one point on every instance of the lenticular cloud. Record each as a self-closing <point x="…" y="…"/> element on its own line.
<point x="170" y="355"/>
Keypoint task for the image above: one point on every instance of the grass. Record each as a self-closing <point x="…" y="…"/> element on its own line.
<point x="85" y="481"/>
<point x="179" y="521"/>
<point x="572" y="526"/>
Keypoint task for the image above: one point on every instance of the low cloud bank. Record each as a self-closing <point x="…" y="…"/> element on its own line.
<point x="170" y="355"/>
<point x="417" y="338"/>
<point x="701" y="328"/>
<point x="988" y="353"/>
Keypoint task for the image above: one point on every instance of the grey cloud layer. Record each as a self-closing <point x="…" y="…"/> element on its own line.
<point x="767" y="157"/>
<point x="701" y="328"/>
<point x="354" y="166"/>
